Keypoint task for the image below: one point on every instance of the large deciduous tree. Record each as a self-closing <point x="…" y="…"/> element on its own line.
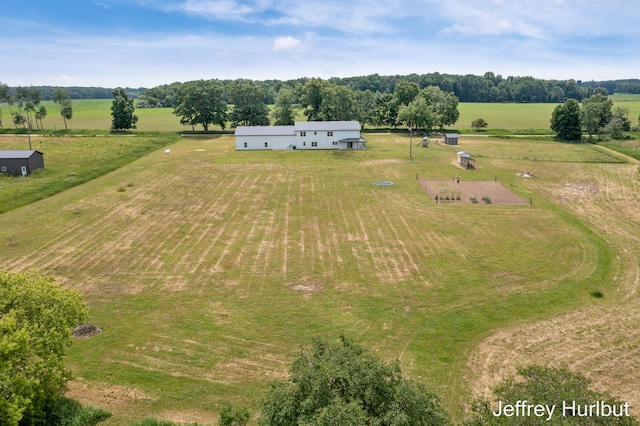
<point x="284" y="111"/>
<point x="596" y="113"/>
<point x="443" y="104"/>
<point x="405" y="92"/>
<point x="247" y="99"/>
<point x="343" y="384"/>
<point x="36" y="319"/>
<point x="417" y="115"/>
<point x="338" y="104"/>
<point x="201" y="102"/>
<point x="566" y="121"/>
<point x="311" y="95"/>
<point x="122" y="110"/>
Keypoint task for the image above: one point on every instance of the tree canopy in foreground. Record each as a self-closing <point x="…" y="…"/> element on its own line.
<point x="570" y="393"/>
<point x="343" y="384"/>
<point x="36" y="319"/>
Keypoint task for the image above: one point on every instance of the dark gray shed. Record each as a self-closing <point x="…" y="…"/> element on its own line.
<point x="20" y="162"/>
<point x="451" y="138"/>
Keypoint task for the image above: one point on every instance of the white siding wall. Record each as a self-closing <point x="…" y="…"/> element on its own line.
<point x="324" y="139"/>
<point x="300" y="139"/>
<point x="258" y="142"/>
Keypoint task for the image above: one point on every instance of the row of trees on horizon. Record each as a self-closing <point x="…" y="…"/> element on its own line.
<point x="468" y="88"/>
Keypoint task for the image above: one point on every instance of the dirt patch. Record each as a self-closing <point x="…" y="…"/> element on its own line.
<point x="579" y="189"/>
<point x="85" y="331"/>
<point x="464" y="191"/>
<point x="382" y="161"/>
<point x="188" y="417"/>
<point x="110" y="397"/>
<point x="307" y="288"/>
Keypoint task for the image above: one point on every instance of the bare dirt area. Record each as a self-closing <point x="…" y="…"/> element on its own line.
<point x="464" y="191"/>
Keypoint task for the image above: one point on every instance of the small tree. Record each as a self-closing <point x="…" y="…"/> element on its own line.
<point x="122" y="111"/>
<point x="479" y="124"/>
<point x="41" y="113"/>
<point x="343" y="384"/>
<point x="233" y="416"/>
<point x="61" y="97"/>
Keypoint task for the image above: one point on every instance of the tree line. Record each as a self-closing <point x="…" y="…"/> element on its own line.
<point x="594" y="116"/>
<point x="25" y="109"/>
<point x="48" y="93"/>
<point x="241" y="102"/>
<point x="467" y="88"/>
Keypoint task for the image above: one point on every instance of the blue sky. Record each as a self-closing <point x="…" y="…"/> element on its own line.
<point x="145" y="43"/>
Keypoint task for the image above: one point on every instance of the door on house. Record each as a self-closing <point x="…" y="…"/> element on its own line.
<point x="24" y="170"/>
<point x="349" y="145"/>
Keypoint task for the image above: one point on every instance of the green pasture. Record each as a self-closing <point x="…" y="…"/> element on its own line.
<point x="70" y="161"/>
<point x="501" y="117"/>
<point x="208" y="268"/>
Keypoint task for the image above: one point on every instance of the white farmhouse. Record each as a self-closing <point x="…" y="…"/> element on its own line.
<point x="302" y="135"/>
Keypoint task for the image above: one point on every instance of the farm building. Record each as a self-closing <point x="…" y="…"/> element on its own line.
<point x="465" y="160"/>
<point x="343" y="135"/>
<point x="451" y="138"/>
<point x="20" y="162"/>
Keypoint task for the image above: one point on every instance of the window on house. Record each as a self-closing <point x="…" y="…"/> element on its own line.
<point x="303" y="133"/>
<point x="329" y="133"/>
<point x="266" y="144"/>
<point x="335" y="142"/>
<point x="245" y="144"/>
<point x="304" y="144"/>
<point x="315" y="133"/>
<point x="314" y="143"/>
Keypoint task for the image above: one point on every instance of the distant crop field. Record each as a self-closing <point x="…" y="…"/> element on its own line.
<point x="524" y="118"/>
<point x="208" y="268"/>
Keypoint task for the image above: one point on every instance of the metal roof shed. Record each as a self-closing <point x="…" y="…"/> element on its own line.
<point x="451" y="138"/>
<point x="20" y="162"/>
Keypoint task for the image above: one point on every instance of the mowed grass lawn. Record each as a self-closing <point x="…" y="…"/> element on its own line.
<point x="208" y="268"/>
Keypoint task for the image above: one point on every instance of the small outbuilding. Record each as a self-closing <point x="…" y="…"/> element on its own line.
<point x="451" y="138"/>
<point x="20" y="162"/>
<point x="465" y="160"/>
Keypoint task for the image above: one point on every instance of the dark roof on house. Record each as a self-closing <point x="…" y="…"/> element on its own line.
<point x="18" y="154"/>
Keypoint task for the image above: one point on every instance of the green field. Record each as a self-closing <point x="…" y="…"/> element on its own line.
<point x="207" y="268"/>
<point x="518" y="118"/>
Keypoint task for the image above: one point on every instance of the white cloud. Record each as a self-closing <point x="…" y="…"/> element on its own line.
<point x="286" y="43"/>
<point x="219" y="9"/>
